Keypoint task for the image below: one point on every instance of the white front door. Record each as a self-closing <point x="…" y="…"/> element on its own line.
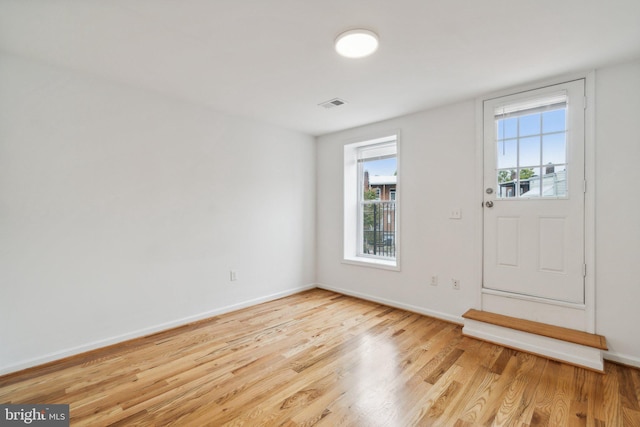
<point x="534" y="193"/>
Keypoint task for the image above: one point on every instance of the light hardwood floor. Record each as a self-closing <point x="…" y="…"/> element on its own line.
<point x="320" y="358"/>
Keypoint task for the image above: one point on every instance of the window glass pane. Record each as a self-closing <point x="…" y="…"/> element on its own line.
<point x="530" y="151"/>
<point x="377" y="226"/>
<point x="530" y="182"/>
<point x="530" y="124"/>
<point x="553" y="121"/>
<point x="531" y="148"/>
<point x="549" y="181"/>
<point x="554" y="148"/>
<point x="554" y="183"/>
<point x="379" y="178"/>
<point x="507" y="128"/>
<point x="379" y="229"/>
<point x="507" y="153"/>
<point x="383" y="167"/>
<point x="368" y="223"/>
<point x="506" y="183"/>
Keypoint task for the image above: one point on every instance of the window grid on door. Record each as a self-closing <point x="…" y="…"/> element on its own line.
<point x="531" y="149"/>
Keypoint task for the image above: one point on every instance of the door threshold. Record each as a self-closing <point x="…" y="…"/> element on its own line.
<point x="554" y="342"/>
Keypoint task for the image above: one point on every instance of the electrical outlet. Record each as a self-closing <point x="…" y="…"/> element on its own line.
<point x="455" y="283"/>
<point x="233" y="275"/>
<point x="434" y="281"/>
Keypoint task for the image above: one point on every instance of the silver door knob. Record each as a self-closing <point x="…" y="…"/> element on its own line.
<point x="488" y="204"/>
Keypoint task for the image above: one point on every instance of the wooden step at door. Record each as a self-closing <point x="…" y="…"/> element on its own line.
<point x="563" y="344"/>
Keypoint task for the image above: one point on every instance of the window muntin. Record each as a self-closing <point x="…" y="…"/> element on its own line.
<point x="531" y="148"/>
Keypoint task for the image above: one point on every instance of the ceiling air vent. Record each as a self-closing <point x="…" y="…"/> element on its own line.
<point x="335" y="102"/>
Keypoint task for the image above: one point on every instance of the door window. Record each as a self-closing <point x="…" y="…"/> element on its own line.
<point x="531" y="148"/>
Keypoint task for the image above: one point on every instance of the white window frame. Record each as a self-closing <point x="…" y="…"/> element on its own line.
<point x="352" y="237"/>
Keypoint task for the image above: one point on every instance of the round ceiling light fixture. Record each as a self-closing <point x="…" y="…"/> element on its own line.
<point x="357" y="43"/>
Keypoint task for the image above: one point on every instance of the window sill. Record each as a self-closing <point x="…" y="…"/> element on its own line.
<point x="373" y="262"/>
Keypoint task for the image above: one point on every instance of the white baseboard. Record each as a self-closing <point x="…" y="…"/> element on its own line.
<point x="146" y="331"/>
<point x="622" y="358"/>
<point x="395" y="304"/>
<point x="575" y="354"/>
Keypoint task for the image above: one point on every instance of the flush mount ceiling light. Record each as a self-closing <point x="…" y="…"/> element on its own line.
<point x="357" y="43"/>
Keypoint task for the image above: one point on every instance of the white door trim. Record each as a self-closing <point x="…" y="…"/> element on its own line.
<point x="588" y="317"/>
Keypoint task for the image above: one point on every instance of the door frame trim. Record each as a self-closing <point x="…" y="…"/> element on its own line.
<point x="589" y="199"/>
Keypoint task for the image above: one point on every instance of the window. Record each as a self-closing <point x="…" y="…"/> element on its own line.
<point x="370" y="202"/>
<point x="531" y="139"/>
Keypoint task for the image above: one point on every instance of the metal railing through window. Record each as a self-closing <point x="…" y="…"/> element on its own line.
<point x="379" y="228"/>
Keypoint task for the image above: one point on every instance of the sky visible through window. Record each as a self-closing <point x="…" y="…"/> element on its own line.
<point x="384" y="167"/>
<point x="539" y="133"/>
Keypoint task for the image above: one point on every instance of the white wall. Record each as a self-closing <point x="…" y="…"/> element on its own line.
<point x="122" y="212"/>
<point x="618" y="210"/>
<point x="437" y="173"/>
<point x="438" y="167"/>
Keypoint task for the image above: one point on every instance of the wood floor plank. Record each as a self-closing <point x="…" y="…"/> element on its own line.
<point x="545" y="393"/>
<point x="440" y="396"/>
<point x="595" y="409"/>
<point x="562" y="397"/>
<point x="478" y="391"/>
<point x="612" y="404"/>
<point x="630" y="417"/>
<point x="499" y="391"/>
<point x="323" y="359"/>
<point x="517" y="400"/>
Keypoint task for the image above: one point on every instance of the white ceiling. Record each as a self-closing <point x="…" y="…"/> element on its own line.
<point x="273" y="60"/>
